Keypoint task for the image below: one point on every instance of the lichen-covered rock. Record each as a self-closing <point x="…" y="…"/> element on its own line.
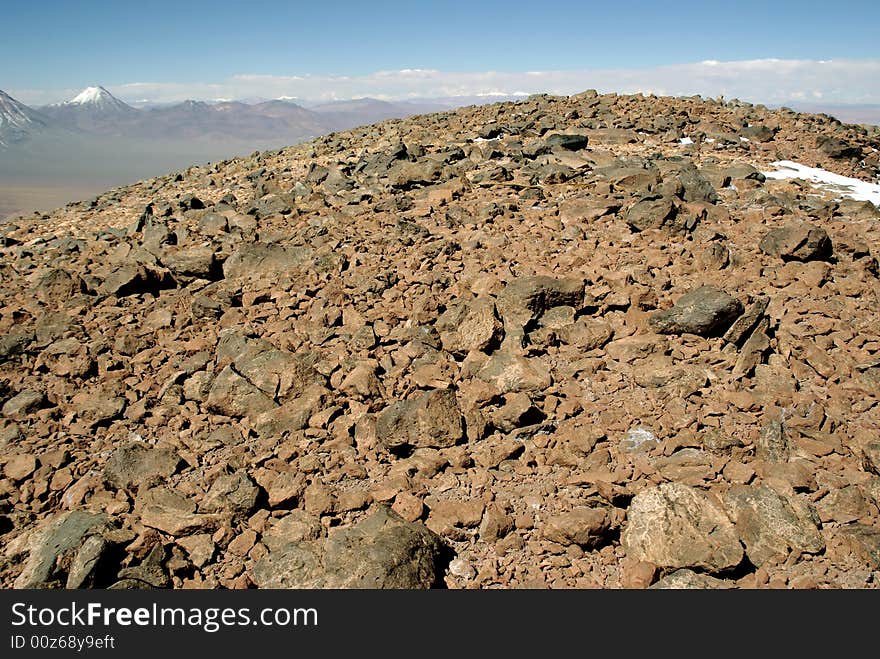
<point x="676" y="526"/>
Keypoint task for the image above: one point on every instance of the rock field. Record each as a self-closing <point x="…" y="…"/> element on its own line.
<point x="548" y="343"/>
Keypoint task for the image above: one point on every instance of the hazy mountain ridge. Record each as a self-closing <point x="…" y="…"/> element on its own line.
<point x="96" y="141"/>
<point x="17" y="120"/>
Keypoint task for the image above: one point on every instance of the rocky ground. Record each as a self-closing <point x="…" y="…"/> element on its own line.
<point x="541" y="344"/>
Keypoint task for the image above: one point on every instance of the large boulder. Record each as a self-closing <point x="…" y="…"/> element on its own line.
<point x="677" y="526"/>
<point x="431" y="419"/>
<point x="706" y="311"/>
<point x="772" y="525"/>
<point x="797" y="242"/>
<point x="383" y="551"/>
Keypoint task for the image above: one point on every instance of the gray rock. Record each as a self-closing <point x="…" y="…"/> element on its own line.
<point x="567" y="141"/>
<point x="87" y="561"/>
<point x="757" y="133"/>
<point x="470" y="326"/>
<point x="235" y="493"/>
<point x="23" y="403"/>
<point x="674" y="526"/>
<point x="586" y="333"/>
<point x="683" y="173"/>
<point x="192" y="263"/>
<point x="294" y="528"/>
<point x="213" y="224"/>
<point x="133" y="279"/>
<point x="860" y="541"/>
<point x="274" y="204"/>
<point x="98" y="407"/>
<point x="428" y="420"/>
<point x="528" y="298"/>
<point x="151" y="573"/>
<point x="233" y="395"/>
<point x="167" y="510"/>
<point x="15" y="343"/>
<point x="264" y="260"/>
<point x="277" y="373"/>
<point x="797" y="242"/>
<point x="746" y="323"/>
<point x="137" y="464"/>
<point x="56" y="286"/>
<point x="706" y="311"/>
<point x="651" y="213"/>
<point x="772" y="444"/>
<point x="383" y="551"/>
<point x="836" y="148"/>
<point x="772" y="525"/>
<point x="54" y="548"/>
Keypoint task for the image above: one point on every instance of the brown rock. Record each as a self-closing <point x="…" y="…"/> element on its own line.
<point x="585" y="527"/>
<point x="446" y="515"/>
<point x="19" y="466"/>
<point x="429" y="420"/>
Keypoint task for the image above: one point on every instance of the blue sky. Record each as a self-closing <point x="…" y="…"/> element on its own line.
<point x="52" y="47"/>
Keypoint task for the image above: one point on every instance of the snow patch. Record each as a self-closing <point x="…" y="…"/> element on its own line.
<point x="685" y="140"/>
<point x="844" y="186"/>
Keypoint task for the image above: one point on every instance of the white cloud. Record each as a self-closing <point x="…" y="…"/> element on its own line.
<point x="771" y="81"/>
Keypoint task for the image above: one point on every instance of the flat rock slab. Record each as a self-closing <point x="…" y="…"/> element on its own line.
<point x="676" y="526"/>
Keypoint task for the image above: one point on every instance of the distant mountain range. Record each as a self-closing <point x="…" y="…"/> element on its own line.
<point x="96" y="111"/>
<point x="94" y="141"/>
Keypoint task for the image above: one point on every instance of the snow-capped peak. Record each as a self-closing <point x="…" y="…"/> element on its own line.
<point x="97" y="98"/>
<point x="93" y="96"/>
<point x="90" y="95"/>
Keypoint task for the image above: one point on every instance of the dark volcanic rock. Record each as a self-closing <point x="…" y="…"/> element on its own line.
<point x="651" y="213"/>
<point x="567" y="141"/>
<point x="706" y="311"/>
<point x="835" y="148"/>
<point x="797" y="242"/>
